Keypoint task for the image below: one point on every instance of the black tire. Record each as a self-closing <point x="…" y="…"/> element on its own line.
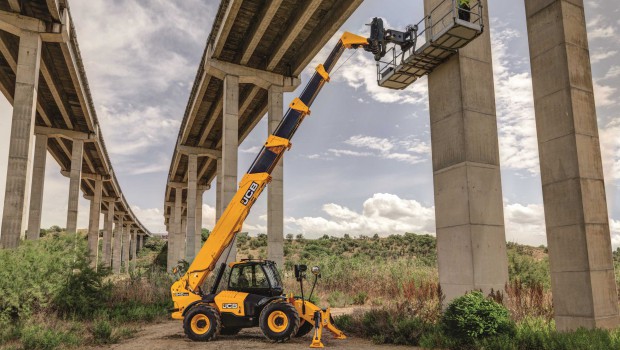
<point x="279" y="321"/>
<point x="305" y="328"/>
<point x="202" y="323"/>
<point x="230" y="330"/>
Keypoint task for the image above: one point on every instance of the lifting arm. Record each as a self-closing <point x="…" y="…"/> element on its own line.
<point x="187" y="289"/>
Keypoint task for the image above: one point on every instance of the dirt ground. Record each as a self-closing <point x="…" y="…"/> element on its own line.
<point x="169" y="335"/>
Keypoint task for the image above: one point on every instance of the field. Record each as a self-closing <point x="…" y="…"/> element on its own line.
<point x="52" y="299"/>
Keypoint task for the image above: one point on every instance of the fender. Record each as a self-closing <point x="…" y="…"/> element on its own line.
<point x="263" y="302"/>
<point x="207" y="299"/>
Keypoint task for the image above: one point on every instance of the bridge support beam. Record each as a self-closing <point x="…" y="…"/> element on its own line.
<point x="174" y="233"/>
<point x="126" y="247"/>
<point x="582" y="270"/>
<point x="108" y="228"/>
<point x="75" y="180"/>
<point x="118" y="243"/>
<point x="218" y="189"/>
<point x="93" y="223"/>
<point x="38" y="184"/>
<point x="230" y="147"/>
<point x="275" y="190"/>
<point x="192" y="193"/>
<point x="134" y="244"/>
<point x="199" y="197"/>
<point x="471" y="242"/>
<point x="19" y="169"/>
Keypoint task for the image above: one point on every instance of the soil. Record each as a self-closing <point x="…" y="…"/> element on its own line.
<point x="169" y="335"/>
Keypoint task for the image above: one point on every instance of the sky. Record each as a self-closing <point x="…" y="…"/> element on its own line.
<point x="361" y="163"/>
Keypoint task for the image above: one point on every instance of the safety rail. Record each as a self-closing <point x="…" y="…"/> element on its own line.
<point x="445" y="30"/>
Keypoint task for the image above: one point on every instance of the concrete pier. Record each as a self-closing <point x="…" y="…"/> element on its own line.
<point x="175" y="232"/>
<point x="192" y="190"/>
<point x="37" y="186"/>
<point x="108" y="231"/>
<point x="126" y="247"/>
<point x="230" y="147"/>
<point x="218" y="189"/>
<point x="582" y="271"/>
<point x="275" y="189"/>
<point x="75" y="180"/>
<point x="118" y="243"/>
<point x="93" y="223"/>
<point x="199" y="196"/>
<point x="19" y="169"/>
<point x="471" y="242"/>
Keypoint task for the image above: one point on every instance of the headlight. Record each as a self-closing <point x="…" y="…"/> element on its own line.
<point x="316" y="270"/>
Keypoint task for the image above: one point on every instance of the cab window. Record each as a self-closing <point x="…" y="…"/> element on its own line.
<point x="248" y="276"/>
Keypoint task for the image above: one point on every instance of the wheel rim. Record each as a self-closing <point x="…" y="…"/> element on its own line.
<point x="200" y="324"/>
<point x="277" y="321"/>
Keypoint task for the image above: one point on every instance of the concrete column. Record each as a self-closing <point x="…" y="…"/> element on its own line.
<point x="582" y="271"/>
<point x="199" y="196"/>
<point x="108" y="227"/>
<point x="192" y="228"/>
<point x="275" y="190"/>
<point x="218" y="190"/>
<point x="93" y="223"/>
<point x="126" y="247"/>
<point x="230" y="146"/>
<point x="38" y="183"/>
<point x="182" y="238"/>
<point x="471" y="242"/>
<point x="75" y="180"/>
<point x="118" y="243"/>
<point x="174" y="242"/>
<point x="19" y="169"/>
<point x="134" y="244"/>
<point x="142" y="238"/>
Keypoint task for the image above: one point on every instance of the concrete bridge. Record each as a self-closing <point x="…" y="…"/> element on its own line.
<point x="255" y="52"/>
<point x="257" y="49"/>
<point x="42" y="76"/>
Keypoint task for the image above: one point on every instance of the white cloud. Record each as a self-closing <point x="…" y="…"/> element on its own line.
<point x="610" y="150"/>
<point x="604" y="95"/>
<point x="252" y="150"/>
<point x="598" y="29"/>
<point x="411" y="150"/>
<point x="525" y="223"/>
<point x="613" y="72"/>
<point x="599" y="56"/>
<point x="515" y="106"/>
<point x="370" y="142"/>
<point x="614" y="227"/>
<point x="383" y="214"/>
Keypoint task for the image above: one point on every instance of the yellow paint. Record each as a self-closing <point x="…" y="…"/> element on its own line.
<point x="322" y="72"/>
<point x="299" y="105"/>
<point x="277" y="321"/>
<point x="225" y="301"/>
<point x="198" y="326"/>
<point x="350" y="40"/>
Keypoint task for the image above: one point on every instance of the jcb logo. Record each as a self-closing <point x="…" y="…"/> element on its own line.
<point x="249" y="193"/>
<point x="230" y="306"/>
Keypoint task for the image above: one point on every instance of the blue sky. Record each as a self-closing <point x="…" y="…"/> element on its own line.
<point x="361" y="163"/>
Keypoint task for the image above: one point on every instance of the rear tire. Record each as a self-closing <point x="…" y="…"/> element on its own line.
<point x="279" y="321"/>
<point x="202" y="323"/>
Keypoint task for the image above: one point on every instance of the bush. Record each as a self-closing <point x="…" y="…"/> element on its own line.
<point x="102" y="332"/>
<point x="42" y="338"/>
<point x="386" y="326"/>
<point x="473" y="316"/>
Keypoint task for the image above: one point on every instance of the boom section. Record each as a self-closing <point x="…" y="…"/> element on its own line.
<point x="255" y="180"/>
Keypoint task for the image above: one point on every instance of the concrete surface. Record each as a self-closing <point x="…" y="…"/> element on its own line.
<point x="275" y="189"/>
<point x="37" y="186"/>
<point x="471" y="242"/>
<point x="582" y="272"/>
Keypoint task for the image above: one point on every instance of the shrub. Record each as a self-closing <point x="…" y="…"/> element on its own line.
<point x="102" y="332"/>
<point x="473" y="316"/>
<point x="42" y="338"/>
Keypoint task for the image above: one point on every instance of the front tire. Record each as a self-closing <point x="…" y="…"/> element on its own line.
<point x="202" y="323"/>
<point x="279" y="321"/>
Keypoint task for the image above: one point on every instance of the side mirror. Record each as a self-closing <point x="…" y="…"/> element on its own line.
<point x="300" y="270"/>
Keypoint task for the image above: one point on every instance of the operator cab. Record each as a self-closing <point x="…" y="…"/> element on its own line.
<point x="255" y="277"/>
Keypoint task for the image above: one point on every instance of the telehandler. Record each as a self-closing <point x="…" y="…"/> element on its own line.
<point x="254" y="295"/>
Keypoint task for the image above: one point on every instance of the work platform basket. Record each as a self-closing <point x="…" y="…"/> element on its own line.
<point x="444" y="31"/>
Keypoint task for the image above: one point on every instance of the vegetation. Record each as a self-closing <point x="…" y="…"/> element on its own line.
<point x="53" y="299"/>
